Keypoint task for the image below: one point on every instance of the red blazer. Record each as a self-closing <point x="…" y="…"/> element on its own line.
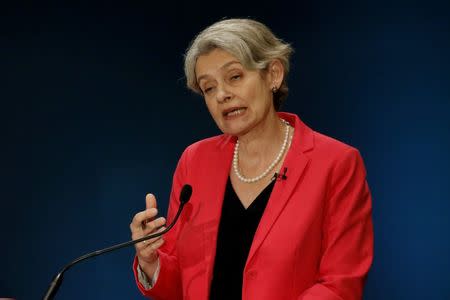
<point x="314" y="240"/>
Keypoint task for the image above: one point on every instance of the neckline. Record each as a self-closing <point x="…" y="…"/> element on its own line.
<point x="259" y="196"/>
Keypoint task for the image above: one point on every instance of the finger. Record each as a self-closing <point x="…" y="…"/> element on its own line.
<point x="158" y="230"/>
<point x="150" y="201"/>
<point x="156" y="244"/>
<point x="136" y="223"/>
<point x="147" y="243"/>
<point x="154" y="225"/>
<point x="144" y="244"/>
<point x="146" y="253"/>
<point x="149" y="252"/>
<point x="149" y="225"/>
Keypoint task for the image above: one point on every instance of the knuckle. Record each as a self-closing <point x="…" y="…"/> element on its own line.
<point x="140" y="216"/>
<point x="135" y="219"/>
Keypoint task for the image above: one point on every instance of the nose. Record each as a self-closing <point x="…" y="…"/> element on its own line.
<point x="223" y="94"/>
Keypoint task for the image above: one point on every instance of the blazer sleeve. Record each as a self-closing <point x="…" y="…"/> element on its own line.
<point x="347" y="245"/>
<point x="168" y="285"/>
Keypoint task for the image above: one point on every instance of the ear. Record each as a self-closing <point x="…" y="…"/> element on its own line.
<point x="275" y="74"/>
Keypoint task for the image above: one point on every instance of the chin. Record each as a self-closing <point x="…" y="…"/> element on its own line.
<point x="234" y="131"/>
<point x="234" y="128"/>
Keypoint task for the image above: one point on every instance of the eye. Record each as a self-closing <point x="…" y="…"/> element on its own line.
<point x="236" y="77"/>
<point x="207" y="90"/>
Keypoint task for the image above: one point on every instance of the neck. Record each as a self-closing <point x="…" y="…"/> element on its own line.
<point x="263" y="140"/>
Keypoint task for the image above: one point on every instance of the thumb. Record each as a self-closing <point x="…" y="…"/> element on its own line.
<point x="150" y="201"/>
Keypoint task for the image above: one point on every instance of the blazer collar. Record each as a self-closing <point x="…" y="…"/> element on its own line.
<point x="303" y="140"/>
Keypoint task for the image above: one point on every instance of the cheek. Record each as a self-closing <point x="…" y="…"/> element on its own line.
<point x="212" y="108"/>
<point x="209" y="105"/>
<point x="256" y="93"/>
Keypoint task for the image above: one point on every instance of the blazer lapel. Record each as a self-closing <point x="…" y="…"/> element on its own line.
<point x="295" y="162"/>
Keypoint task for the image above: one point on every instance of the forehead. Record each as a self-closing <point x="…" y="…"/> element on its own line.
<point x="214" y="61"/>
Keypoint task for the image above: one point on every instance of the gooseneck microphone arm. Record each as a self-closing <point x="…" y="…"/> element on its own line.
<point x="185" y="195"/>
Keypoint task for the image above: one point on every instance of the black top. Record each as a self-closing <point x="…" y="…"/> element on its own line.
<point x="236" y="230"/>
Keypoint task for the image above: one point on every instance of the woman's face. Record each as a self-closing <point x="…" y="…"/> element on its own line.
<point x="237" y="98"/>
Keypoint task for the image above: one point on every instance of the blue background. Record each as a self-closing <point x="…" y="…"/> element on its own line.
<point x="94" y="114"/>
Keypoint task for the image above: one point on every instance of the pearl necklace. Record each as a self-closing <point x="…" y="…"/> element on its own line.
<point x="269" y="168"/>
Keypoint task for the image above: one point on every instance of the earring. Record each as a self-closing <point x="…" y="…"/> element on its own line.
<point x="274" y="89"/>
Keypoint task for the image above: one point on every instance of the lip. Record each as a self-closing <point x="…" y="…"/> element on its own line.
<point x="226" y="111"/>
<point x="233" y="116"/>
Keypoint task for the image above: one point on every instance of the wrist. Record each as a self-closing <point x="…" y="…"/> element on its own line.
<point x="149" y="268"/>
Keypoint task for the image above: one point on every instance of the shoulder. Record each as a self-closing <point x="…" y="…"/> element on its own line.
<point x="214" y="143"/>
<point x="316" y="144"/>
<point x="211" y="146"/>
<point x="202" y="154"/>
<point x="330" y="146"/>
<point x="337" y="155"/>
<point x="326" y="152"/>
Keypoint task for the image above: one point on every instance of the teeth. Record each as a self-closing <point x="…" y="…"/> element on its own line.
<point x="236" y="112"/>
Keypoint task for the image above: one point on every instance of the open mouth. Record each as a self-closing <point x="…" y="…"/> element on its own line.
<point x="234" y="111"/>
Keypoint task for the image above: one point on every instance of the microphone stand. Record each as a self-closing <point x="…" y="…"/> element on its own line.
<point x="57" y="280"/>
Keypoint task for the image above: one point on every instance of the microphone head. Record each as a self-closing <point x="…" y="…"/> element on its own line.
<point x="185" y="194"/>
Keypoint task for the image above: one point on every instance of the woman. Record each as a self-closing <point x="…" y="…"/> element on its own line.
<point x="278" y="211"/>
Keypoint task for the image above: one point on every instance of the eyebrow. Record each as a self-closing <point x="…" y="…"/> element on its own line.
<point x="222" y="67"/>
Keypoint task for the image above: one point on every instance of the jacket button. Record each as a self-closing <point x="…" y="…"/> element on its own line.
<point x="252" y="274"/>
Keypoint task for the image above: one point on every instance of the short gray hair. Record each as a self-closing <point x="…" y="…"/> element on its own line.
<point x="250" y="41"/>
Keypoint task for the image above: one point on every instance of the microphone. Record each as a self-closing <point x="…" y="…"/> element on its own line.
<point x="280" y="176"/>
<point x="185" y="195"/>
